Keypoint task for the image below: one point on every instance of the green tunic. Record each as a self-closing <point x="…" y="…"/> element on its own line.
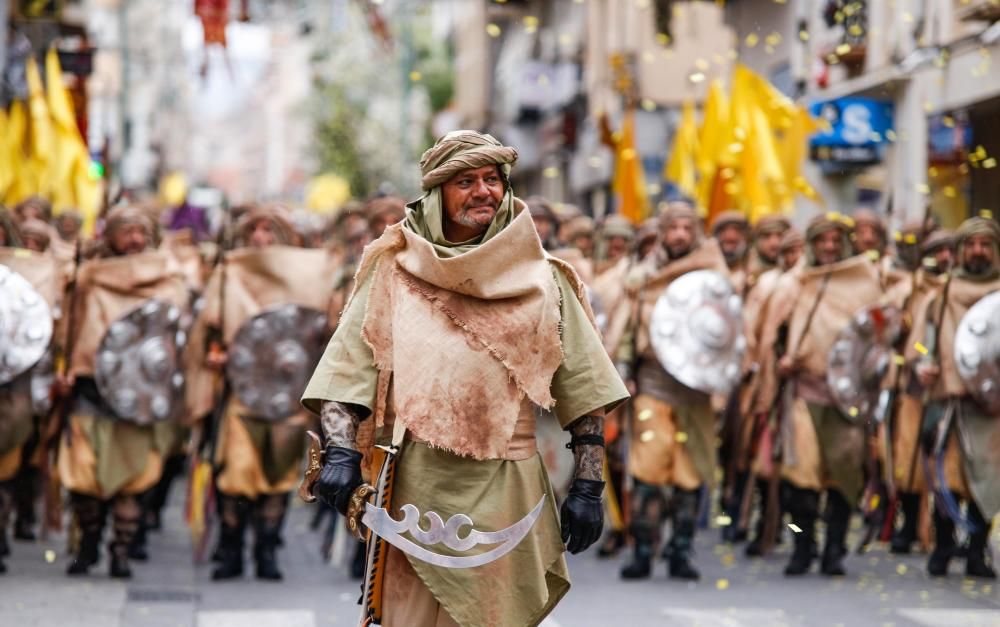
<point x="522" y="587"/>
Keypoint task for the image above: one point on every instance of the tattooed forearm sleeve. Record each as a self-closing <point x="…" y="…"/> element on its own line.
<point x="589" y="458"/>
<point x="340" y="424"/>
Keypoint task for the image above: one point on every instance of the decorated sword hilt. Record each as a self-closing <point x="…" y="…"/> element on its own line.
<point x="360" y="499"/>
<point x="314" y="466"/>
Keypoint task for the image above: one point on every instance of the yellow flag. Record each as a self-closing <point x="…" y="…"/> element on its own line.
<point x="629" y="184"/>
<point x="681" y="168"/>
<point x="40" y="133"/>
<point x="22" y="180"/>
<point x="71" y="184"/>
<point x="6" y="158"/>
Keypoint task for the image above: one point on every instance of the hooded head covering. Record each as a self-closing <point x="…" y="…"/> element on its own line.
<point x="580" y="225"/>
<point x="824" y="223"/>
<point x="540" y="207"/>
<point x="276" y="214"/>
<point x="43" y="206"/>
<point x="455" y="152"/>
<point x="938" y="239"/>
<point x="392" y="207"/>
<point x="791" y="239"/>
<point x="771" y="224"/>
<point x="35" y="229"/>
<point x="730" y="217"/>
<point x="617" y="226"/>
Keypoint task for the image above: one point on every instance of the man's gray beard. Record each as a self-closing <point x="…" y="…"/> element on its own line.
<point x="465" y="220"/>
<point x="681" y="253"/>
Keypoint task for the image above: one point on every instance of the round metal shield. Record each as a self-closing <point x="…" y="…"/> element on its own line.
<point x="25" y="325"/>
<point x="697" y="332"/>
<point x="977" y="351"/>
<point x="272" y="357"/>
<point x="138" y="369"/>
<point x="861" y="356"/>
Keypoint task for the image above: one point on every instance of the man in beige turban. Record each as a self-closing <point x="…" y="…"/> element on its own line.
<point x="969" y="453"/>
<point x="458" y="327"/>
<point x="673" y="436"/>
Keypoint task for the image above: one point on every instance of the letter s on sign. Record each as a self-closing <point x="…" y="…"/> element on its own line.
<point x="856" y="124"/>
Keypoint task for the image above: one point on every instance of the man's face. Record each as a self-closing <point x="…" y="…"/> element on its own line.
<point x="129" y="239"/>
<point x="31" y="212"/>
<point x="943" y="258"/>
<point x="678" y="236"/>
<point x="584" y="243"/>
<point x="866" y="238"/>
<point x="33" y="243"/>
<point x="827" y="247"/>
<point x="262" y="234"/>
<point x="544" y="227"/>
<point x="68" y="228"/>
<point x="733" y="242"/>
<point x="979" y="254"/>
<point x="769" y="245"/>
<point x="616" y="247"/>
<point x="380" y="223"/>
<point x="791" y="256"/>
<point x="472" y="197"/>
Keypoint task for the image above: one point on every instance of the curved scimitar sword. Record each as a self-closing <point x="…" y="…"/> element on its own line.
<point x="383" y="525"/>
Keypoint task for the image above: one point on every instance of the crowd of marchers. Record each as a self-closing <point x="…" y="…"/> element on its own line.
<point x="918" y="462"/>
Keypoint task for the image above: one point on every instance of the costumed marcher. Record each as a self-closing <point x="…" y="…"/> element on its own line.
<point x="732" y="231"/>
<point x="938" y="251"/>
<point x="917" y="283"/>
<point x="546" y="222"/>
<point x="265" y="311"/>
<point x="614" y="243"/>
<point x="577" y="237"/>
<point x="964" y="428"/>
<point x="646" y="237"/>
<point x="823" y="448"/>
<point x="512" y="330"/>
<point x="739" y="426"/>
<point x="23" y="406"/>
<point x="793" y="244"/>
<point x="113" y="446"/>
<point x="384" y="212"/>
<point x="870" y="233"/>
<point x="68" y="224"/>
<point x="35" y="235"/>
<point x="673" y="429"/>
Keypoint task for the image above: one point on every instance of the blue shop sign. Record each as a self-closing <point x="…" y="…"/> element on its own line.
<point x="856" y="135"/>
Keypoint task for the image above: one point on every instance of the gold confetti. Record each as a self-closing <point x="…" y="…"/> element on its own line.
<point x="842" y="49"/>
<point x="701" y="64"/>
<point x="923" y="188"/>
<point x="752" y="40"/>
<point x="795" y="528"/>
<point x="773" y="39"/>
<point x="663" y="39"/>
<point x="647" y="436"/>
<point x="948" y="121"/>
<point x="989" y="164"/>
<point x="853" y="411"/>
<point x="723" y="520"/>
<point x="910" y="238"/>
<point x="949" y="191"/>
<point x="681" y="437"/>
<point x="920" y="348"/>
<point x="728" y="559"/>
<point x="648" y="104"/>
<point x="415" y="76"/>
<point x="986" y="213"/>
<point x="890" y="135"/>
<point x="722" y="584"/>
<point x="901" y="569"/>
<point x="696" y="77"/>
<point x="899" y="360"/>
<point x="645" y="415"/>
<point x="803" y="35"/>
<point x="550" y="172"/>
<point x="493" y="30"/>
<point x="50" y="556"/>
<point x="530" y="23"/>
<point x="932" y="172"/>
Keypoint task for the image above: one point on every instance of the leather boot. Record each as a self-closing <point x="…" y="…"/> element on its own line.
<point x="27" y="487"/>
<point x="126" y="516"/>
<point x="268" y="517"/>
<point x="641" y="565"/>
<point x="944" y="544"/>
<point x="979" y="562"/>
<point x="838" y="517"/>
<point x="906" y="535"/>
<point x="233" y="514"/>
<point x="803" y="505"/>
<point x="732" y="533"/>
<point x="686" y="503"/>
<point x="89" y="513"/>
<point x="754" y="547"/>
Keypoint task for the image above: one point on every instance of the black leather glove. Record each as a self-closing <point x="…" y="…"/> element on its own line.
<point x="341" y="474"/>
<point x="582" y="515"/>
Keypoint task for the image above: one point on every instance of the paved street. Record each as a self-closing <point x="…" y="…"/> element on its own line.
<point x="169" y="591"/>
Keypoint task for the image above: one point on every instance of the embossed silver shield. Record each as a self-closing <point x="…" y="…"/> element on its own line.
<point x="697" y="332"/>
<point x="860" y="357"/>
<point x="272" y="357"/>
<point x="977" y="351"/>
<point x="138" y="370"/>
<point x="25" y="325"/>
